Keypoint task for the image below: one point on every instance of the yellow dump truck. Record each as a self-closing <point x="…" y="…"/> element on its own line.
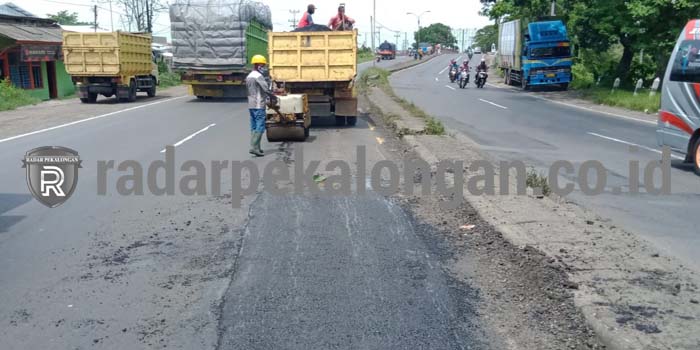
<point x="109" y="64"/>
<point x="322" y="65"/>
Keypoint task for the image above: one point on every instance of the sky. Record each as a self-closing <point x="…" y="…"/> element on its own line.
<point x="391" y="14"/>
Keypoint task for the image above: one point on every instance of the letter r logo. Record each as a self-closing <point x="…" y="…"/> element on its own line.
<point x="54" y="183"/>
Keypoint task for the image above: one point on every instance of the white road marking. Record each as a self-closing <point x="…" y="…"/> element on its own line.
<point x="493" y="104"/>
<point x="87" y="119"/>
<point x="450" y="87"/>
<point x="496" y="86"/>
<point x="633" y="144"/>
<point x="443" y="70"/>
<point x="596" y="111"/>
<point x="190" y="137"/>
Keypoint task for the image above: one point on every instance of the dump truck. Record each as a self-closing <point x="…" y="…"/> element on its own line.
<point x="539" y="57"/>
<point x="110" y="64"/>
<point x="213" y="42"/>
<point x="320" y="64"/>
<point x="387" y="51"/>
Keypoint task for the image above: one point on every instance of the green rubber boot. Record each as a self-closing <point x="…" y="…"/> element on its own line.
<point x="252" y="149"/>
<point x="255" y="145"/>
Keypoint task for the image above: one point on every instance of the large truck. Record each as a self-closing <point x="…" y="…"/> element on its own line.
<point x="387" y="51"/>
<point x="110" y="64"/>
<point x="539" y="57"/>
<point x="213" y="42"/>
<point x="320" y="64"/>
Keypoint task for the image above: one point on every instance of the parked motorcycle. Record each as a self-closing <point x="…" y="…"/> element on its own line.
<point x="463" y="79"/>
<point x="453" y="75"/>
<point x="480" y="80"/>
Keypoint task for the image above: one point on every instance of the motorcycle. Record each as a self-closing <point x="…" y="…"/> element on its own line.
<point x="379" y="58"/>
<point x="463" y="79"/>
<point x="480" y="80"/>
<point x="453" y="74"/>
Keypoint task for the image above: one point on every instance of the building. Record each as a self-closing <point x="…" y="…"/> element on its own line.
<point x="30" y="54"/>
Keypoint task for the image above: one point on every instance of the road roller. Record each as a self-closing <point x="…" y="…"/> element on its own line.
<point x="288" y="119"/>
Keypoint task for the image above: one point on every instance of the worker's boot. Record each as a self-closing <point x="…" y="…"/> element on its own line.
<point x="259" y="142"/>
<point x="252" y="143"/>
<point x="255" y="145"/>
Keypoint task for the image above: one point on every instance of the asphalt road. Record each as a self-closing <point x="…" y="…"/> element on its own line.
<point x="514" y="125"/>
<point x="186" y="272"/>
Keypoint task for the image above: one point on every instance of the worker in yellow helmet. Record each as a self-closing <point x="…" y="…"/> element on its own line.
<point x="259" y="90"/>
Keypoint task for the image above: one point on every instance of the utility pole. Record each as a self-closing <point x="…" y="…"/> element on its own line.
<point x="94" y="10"/>
<point x="405" y="41"/>
<point x="554" y="8"/>
<point x="374" y="19"/>
<point x="111" y="16"/>
<point x="293" y="22"/>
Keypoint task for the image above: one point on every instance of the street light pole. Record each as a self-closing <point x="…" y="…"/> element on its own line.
<point x="418" y="32"/>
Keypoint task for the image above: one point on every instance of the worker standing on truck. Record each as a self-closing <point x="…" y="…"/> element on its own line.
<point x="341" y="21"/>
<point x="258" y="92"/>
<point x="306" y="19"/>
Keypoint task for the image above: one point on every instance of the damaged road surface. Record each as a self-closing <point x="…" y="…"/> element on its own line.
<point x="343" y="273"/>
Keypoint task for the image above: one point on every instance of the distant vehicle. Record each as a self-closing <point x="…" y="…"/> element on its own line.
<point x="477" y="50"/>
<point x="542" y="56"/>
<point x="679" y="117"/>
<point x="387" y="50"/>
<point x="110" y="64"/>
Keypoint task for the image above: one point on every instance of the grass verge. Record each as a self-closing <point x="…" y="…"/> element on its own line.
<point x="625" y="99"/>
<point x="12" y="97"/>
<point x="377" y="77"/>
<point x="168" y="79"/>
<point x="364" y="57"/>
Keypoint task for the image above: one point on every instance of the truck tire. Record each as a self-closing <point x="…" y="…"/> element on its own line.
<point x="84" y="100"/>
<point x="696" y="156"/>
<point x="152" y="91"/>
<point x="564" y="86"/>
<point x="132" y="91"/>
<point x="339" y="121"/>
<point x="92" y="97"/>
<point x="352" y="121"/>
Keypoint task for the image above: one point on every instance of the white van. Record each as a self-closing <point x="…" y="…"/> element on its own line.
<point x="679" y="117"/>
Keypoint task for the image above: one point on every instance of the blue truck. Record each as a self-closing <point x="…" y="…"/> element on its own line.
<point x="539" y="57"/>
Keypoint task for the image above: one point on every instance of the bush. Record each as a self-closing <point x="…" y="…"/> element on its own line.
<point x="12" y="97"/>
<point x="168" y="79"/>
<point x="582" y="77"/>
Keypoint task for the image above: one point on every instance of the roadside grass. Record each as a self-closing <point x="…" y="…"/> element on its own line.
<point x="377" y="77"/>
<point x="536" y="180"/>
<point x="625" y="99"/>
<point x="12" y="97"/>
<point x="364" y="57"/>
<point x="168" y="79"/>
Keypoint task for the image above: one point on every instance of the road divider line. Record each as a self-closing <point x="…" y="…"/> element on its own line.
<point x="493" y="104"/>
<point x="632" y="144"/>
<point x="596" y="111"/>
<point x="443" y="70"/>
<point x="191" y="136"/>
<point x="88" y="119"/>
<point x="450" y="87"/>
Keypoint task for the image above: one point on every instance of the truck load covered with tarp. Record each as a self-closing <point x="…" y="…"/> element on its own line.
<point x="215" y="34"/>
<point x="387" y="50"/>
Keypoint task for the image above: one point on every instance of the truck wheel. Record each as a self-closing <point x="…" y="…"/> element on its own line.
<point x="352" y="121"/>
<point x="92" y="97"/>
<point x="696" y="156"/>
<point x="84" y="100"/>
<point x="132" y="91"/>
<point x="339" y="121"/>
<point x="564" y="86"/>
<point x="152" y="91"/>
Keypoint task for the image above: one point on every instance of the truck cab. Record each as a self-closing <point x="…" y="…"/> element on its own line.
<point x="546" y="55"/>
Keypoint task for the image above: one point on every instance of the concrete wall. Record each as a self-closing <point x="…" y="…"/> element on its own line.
<point x="64" y="84"/>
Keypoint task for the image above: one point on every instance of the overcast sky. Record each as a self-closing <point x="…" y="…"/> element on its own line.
<point x="392" y="14"/>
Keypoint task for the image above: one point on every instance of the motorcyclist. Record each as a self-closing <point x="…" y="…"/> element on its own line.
<point x="465" y="65"/>
<point x="482" y="66"/>
<point x="453" y="67"/>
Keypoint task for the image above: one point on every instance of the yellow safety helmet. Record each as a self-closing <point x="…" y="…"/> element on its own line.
<point x="258" y="59"/>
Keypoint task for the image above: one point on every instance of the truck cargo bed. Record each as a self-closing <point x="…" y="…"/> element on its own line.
<point x="107" y="54"/>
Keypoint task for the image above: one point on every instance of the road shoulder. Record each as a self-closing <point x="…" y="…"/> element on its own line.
<point x="630" y="294"/>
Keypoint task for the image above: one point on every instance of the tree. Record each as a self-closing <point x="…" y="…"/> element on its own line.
<point x="66" y="18"/>
<point x="486" y="36"/>
<point x="140" y="13"/>
<point x="436" y="33"/>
